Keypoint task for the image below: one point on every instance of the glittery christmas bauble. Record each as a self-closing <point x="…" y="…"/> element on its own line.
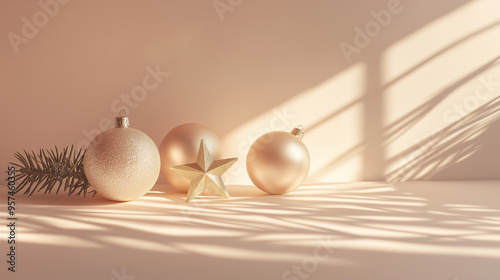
<point x="278" y="161"/>
<point x="180" y="146"/>
<point x="122" y="163"/>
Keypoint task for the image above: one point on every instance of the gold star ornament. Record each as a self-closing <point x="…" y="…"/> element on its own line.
<point x="205" y="173"/>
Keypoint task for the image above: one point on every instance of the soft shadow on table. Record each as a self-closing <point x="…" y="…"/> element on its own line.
<point x="235" y="191"/>
<point x="369" y="225"/>
<point x="63" y="199"/>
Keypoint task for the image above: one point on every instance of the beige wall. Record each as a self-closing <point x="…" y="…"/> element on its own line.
<point x="415" y="98"/>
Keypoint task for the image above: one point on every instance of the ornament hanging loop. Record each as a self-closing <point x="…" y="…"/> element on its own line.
<point x="122" y="120"/>
<point x="298" y="132"/>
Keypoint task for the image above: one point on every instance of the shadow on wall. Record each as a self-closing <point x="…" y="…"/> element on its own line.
<point x="437" y="164"/>
<point x="467" y="149"/>
<point x="223" y="71"/>
<point x="376" y="136"/>
<point x="480" y="122"/>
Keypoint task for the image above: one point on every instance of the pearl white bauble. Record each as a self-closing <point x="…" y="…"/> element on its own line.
<point x="278" y="162"/>
<point x="122" y="164"/>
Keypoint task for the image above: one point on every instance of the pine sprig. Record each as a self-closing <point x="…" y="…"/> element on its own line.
<point x="48" y="168"/>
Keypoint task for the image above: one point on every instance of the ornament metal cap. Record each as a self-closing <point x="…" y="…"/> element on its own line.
<point x="122" y="120"/>
<point x="298" y="132"/>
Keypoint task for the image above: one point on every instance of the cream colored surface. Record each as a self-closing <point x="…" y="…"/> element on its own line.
<point x="356" y="231"/>
<point x="419" y="101"/>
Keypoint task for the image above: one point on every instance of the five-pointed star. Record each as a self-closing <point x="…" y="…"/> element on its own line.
<point x="205" y="173"/>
